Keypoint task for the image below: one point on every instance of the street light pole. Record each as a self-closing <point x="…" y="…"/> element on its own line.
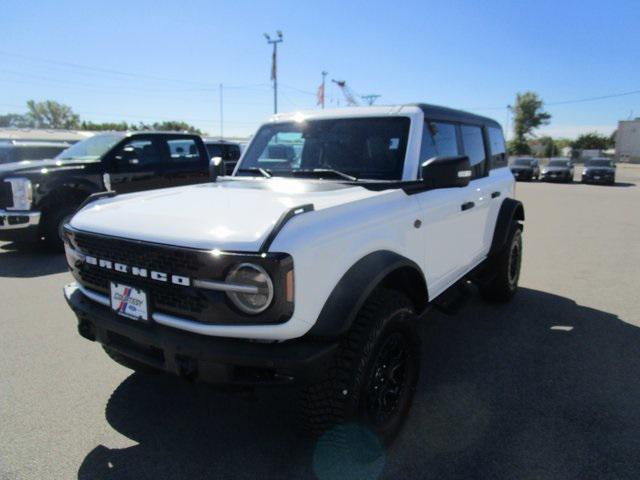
<point x="221" y="116"/>
<point x="274" y="66"/>
<point x="324" y="92"/>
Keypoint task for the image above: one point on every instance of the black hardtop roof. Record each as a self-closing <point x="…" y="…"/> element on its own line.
<point x="436" y="112"/>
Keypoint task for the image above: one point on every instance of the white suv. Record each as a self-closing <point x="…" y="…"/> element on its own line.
<point x="311" y="264"/>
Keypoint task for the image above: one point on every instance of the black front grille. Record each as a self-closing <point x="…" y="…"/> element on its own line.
<point x="160" y="258"/>
<point x="6" y="195"/>
<point x="206" y="306"/>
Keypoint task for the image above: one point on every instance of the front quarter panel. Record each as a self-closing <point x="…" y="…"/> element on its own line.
<point x="325" y="244"/>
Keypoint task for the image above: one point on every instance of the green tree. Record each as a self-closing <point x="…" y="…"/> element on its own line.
<point x="528" y="115"/>
<point x="518" y="146"/>
<point x="591" y="141"/>
<point x="176" y="126"/>
<point x="110" y="126"/>
<point x="51" y="114"/>
<point x="15" y="120"/>
<point x="549" y="147"/>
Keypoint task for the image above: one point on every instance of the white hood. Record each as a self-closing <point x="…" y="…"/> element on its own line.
<point x="230" y="214"/>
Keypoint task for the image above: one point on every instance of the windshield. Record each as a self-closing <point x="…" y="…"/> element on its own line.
<point x="558" y="163"/>
<point x="365" y="148"/>
<point x="523" y="162"/>
<point x="599" y="162"/>
<point x="92" y="148"/>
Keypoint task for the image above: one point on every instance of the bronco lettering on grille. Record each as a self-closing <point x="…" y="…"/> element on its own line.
<point x="138" y="272"/>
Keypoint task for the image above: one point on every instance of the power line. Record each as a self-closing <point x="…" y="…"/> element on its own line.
<point x="571" y="102"/>
<point x="593" y="99"/>
<point x="208" y="86"/>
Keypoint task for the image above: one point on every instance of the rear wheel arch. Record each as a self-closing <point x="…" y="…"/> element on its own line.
<point x="380" y="269"/>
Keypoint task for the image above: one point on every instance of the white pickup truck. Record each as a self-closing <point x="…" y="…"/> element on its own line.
<point x="311" y="264"/>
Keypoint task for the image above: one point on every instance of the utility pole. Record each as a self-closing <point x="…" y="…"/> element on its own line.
<point x="274" y="66"/>
<point x="324" y="92"/>
<point x="221" y="116"/>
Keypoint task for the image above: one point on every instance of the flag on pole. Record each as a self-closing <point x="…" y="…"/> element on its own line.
<point x="320" y="95"/>
<point x="273" y="65"/>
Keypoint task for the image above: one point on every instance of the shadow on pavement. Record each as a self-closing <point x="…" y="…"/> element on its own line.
<point x="27" y="261"/>
<point x="540" y="388"/>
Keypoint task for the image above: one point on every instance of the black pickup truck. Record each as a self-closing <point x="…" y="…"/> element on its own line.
<point x="38" y="197"/>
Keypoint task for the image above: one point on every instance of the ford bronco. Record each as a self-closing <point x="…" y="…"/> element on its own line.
<point x="311" y="264"/>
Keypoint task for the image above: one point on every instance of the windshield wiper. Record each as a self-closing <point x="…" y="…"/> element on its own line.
<point x="261" y="171"/>
<point x="323" y="171"/>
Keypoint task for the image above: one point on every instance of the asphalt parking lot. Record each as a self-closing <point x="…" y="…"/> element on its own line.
<point x="544" y="387"/>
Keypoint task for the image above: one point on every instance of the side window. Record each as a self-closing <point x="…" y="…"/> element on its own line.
<point x="138" y="154"/>
<point x="183" y="150"/>
<point x="438" y="140"/>
<point x="473" y="143"/>
<point x="498" y="149"/>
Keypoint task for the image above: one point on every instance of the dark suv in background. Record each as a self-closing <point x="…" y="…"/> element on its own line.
<point x="599" y="170"/>
<point x="525" y="168"/>
<point x="38" y="197"/>
<point x="229" y="152"/>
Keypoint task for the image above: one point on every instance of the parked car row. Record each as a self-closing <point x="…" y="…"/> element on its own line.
<point x="562" y="169"/>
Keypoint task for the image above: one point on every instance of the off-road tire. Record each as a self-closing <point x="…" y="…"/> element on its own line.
<point x="54" y="219"/>
<point x="129" y="363"/>
<point x="506" y="269"/>
<point x="343" y="394"/>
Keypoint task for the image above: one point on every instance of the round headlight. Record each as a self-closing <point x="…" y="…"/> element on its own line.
<point x="254" y="291"/>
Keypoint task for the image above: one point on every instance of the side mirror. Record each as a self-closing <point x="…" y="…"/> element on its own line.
<point x="216" y="168"/>
<point x="128" y="156"/>
<point x="446" y="172"/>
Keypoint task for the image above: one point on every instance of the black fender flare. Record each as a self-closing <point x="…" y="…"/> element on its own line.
<point x="511" y="211"/>
<point x="380" y="268"/>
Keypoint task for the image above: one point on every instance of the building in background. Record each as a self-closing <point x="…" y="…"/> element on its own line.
<point x="628" y="141"/>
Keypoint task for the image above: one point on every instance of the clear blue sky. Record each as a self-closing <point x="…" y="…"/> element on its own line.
<point x="468" y="54"/>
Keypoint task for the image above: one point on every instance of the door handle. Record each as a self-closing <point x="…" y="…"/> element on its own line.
<point x="495" y="194"/>
<point x="467" y="206"/>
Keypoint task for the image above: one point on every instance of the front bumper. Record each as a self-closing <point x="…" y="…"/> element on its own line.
<point x="522" y="174"/>
<point x="598" y="178"/>
<point x="19" y="226"/>
<point x="203" y="358"/>
<point x="556" y="176"/>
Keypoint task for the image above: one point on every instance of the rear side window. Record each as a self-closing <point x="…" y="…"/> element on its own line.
<point x="473" y="143"/>
<point x="183" y="150"/>
<point x="498" y="148"/>
<point x="438" y="140"/>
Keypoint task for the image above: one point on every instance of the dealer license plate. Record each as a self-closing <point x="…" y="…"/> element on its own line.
<point x="129" y="302"/>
